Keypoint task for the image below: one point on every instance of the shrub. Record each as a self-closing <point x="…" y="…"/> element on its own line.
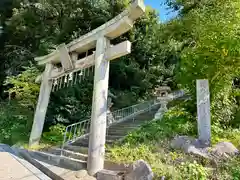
<point x="193" y="171"/>
<point x="228" y="134"/>
<point x="24" y="88"/>
<point x="175" y="121"/>
<point x="128" y="154"/>
<point x="151" y="144"/>
<point x="55" y="135"/>
<point x="229" y="169"/>
<point x="57" y="132"/>
<point x="16" y="123"/>
<point x="212" y="53"/>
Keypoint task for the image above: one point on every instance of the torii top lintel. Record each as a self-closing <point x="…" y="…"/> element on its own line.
<point x="112" y="29"/>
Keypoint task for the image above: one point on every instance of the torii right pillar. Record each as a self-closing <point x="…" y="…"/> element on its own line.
<point x="99" y="109"/>
<point x="123" y="23"/>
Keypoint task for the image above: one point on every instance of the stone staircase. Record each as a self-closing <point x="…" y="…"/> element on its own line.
<point x="118" y="131"/>
<point x="74" y="156"/>
<point x="62" y="163"/>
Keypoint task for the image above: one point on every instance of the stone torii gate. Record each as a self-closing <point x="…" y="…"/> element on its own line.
<point x="67" y="57"/>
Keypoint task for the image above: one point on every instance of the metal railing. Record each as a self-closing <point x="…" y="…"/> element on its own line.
<point x="81" y="129"/>
<point x="131" y="111"/>
<point x="76" y="130"/>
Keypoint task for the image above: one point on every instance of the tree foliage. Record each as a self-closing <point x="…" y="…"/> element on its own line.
<point x="201" y="42"/>
<point x="35" y="28"/>
<point x="212" y="53"/>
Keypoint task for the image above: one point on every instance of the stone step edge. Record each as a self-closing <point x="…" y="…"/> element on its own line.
<point x="42" y="168"/>
<point x="71" y="152"/>
<point x="50" y="156"/>
<point x="116" y="140"/>
<point x="76" y="148"/>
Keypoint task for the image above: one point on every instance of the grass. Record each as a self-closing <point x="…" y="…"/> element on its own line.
<point x="152" y="143"/>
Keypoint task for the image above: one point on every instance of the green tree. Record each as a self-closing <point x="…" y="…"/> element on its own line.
<point x="208" y="32"/>
<point x="37" y="27"/>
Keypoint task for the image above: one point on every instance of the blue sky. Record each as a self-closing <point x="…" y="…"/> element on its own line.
<point x="165" y="14"/>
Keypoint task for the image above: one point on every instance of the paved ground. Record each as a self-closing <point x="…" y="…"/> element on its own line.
<point x="13" y="167"/>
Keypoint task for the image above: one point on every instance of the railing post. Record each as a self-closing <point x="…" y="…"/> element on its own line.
<point x="64" y="140"/>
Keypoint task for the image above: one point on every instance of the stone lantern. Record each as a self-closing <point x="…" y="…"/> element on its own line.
<point x="162" y="95"/>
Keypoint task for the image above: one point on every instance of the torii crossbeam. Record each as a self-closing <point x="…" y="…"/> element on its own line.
<point x="67" y="56"/>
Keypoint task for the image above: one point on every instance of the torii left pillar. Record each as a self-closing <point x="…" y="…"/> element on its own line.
<point x="41" y="110"/>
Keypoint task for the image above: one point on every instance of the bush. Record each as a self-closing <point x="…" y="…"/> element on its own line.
<point x="128" y="154"/>
<point x="220" y="134"/>
<point x="193" y="171"/>
<point x="57" y="132"/>
<point x="229" y="169"/>
<point x="175" y="121"/>
<point x="151" y="143"/>
<point x="55" y="135"/>
<point x="16" y="123"/>
<point x="24" y="89"/>
<point x="212" y="54"/>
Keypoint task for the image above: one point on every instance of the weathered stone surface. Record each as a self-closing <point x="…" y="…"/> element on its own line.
<point x="113" y="166"/>
<point x="158" y="115"/>
<point x="203" y="109"/>
<point x="83" y="175"/>
<point x="194" y="146"/>
<point x="180" y="142"/>
<point x="139" y="170"/>
<point x="189" y="145"/>
<point x="224" y="148"/>
<point x="110" y="118"/>
<point x="203" y="152"/>
<point x="109" y="175"/>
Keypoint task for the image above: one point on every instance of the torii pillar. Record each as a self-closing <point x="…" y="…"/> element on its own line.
<point x="96" y="149"/>
<point x="99" y="108"/>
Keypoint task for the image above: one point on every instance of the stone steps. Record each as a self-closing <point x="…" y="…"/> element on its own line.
<point x="58" y="160"/>
<point x="118" y="131"/>
<point x="124" y="127"/>
<point x="109" y="139"/>
<point x="83" y="150"/>
<point x="81" y="142"/>
<point x="127" y="124"/>
<point x="74" y="155"/>
<point x="69" y="153"/>
<point x="114" y="138"/>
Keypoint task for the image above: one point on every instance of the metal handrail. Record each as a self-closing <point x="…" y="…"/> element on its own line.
<point x="81" y="129"/>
